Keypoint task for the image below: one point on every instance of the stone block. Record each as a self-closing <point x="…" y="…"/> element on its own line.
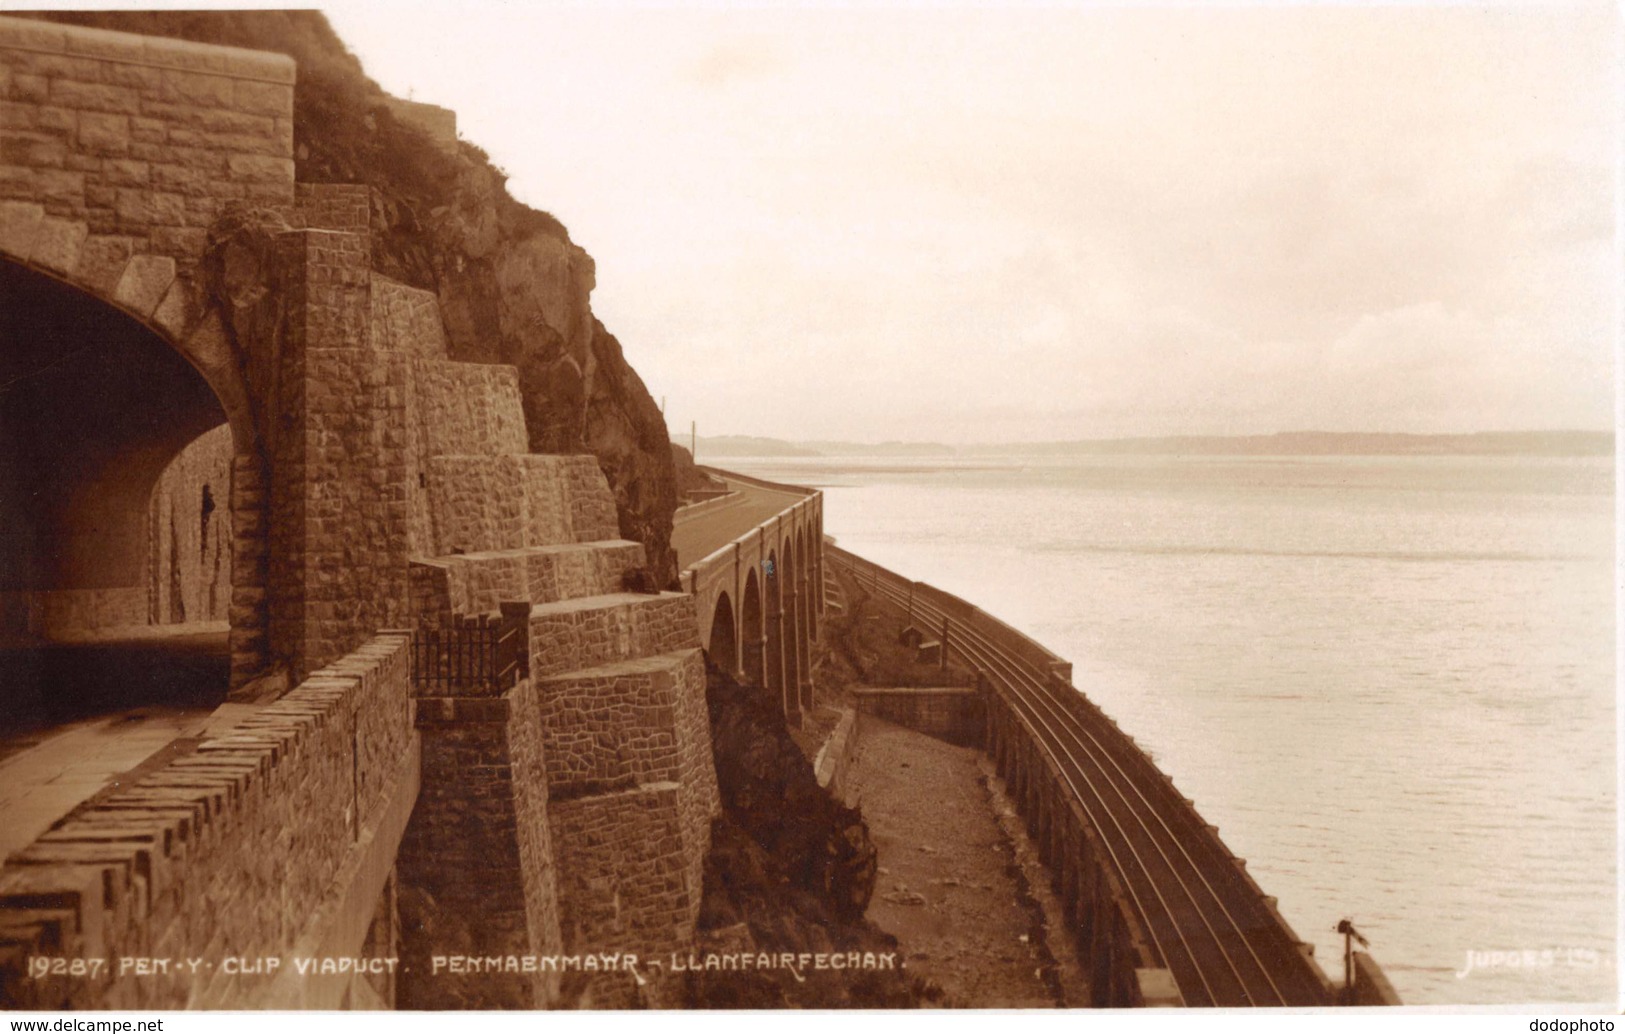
<point x="144" y="78"/>
<point x="53" y="119"/>
<point x="57" y="245"/>
<point x="174" y="313"/>
<point x="70" y="93"/>
<point x="33" y="150"/>
<point x="19" y="223"/>
<point x="196" y="89"/>
<point x="256" y="168"/>
<point x="144" y="283"/>
<point x="261" y="98"/>
<point x="141" y="208"/>
<point x="121" y="172"/>
<point x="103" y="133"/>
<point x="59" y="189"/>
<point x="102" y="260"/>
<point x="23" y="87"/>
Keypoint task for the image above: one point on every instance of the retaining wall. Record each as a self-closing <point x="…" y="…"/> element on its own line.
<point x="953" y="713"/>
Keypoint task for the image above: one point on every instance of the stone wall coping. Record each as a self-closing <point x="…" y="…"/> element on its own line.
<point x="130" y="48"/>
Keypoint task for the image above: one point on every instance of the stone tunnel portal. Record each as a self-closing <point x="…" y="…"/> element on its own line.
<point x="94" y="406"/>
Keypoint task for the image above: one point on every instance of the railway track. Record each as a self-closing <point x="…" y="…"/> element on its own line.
<point x="1206" y="920"/>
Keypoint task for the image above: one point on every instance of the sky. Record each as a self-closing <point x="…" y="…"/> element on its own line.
<point x="1021" y="223"/>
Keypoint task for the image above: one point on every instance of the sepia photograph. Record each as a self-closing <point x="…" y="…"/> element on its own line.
<point x="810" y="506"/>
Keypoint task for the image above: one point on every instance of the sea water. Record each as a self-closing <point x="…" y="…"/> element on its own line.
<point x="1389" y="681"/>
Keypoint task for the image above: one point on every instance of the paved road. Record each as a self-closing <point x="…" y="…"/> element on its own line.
<point x="697" y="537"/>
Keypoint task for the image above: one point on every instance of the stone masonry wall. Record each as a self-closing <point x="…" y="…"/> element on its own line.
<point x="66" y="615"/>
<point x="339" y="507"/>
<point x="139" y="138"/>
<point x="477" y="865"/>
<point x="625" y="884"/>
<point x="406" y="319"/>
<point x="955" y="714"/>
<point x="228" y="851"/>
<point x="189" y="535"/>
<point x="575" y="634"/>
<point x="616" y="726"/>
<point x="480" y="503"/>
<point x="478" y="583"/>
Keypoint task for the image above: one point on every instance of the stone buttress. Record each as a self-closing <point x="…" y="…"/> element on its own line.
<point x="568" y="785"/>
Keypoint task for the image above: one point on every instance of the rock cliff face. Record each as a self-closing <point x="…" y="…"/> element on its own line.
<point x="512" y="286"/>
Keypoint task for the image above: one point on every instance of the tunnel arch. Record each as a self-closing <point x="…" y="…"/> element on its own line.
<point x="98" y="398"/>
<point x="723" y="646"/>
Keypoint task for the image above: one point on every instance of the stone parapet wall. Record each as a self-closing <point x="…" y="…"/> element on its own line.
<point x="140" y="139"/>
<point x="228" y="851"/>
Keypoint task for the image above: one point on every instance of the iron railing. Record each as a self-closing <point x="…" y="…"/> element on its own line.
<point x="473" y="655"/>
